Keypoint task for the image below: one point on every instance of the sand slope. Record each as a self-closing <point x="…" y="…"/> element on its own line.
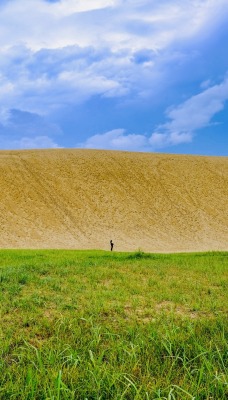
<point x="83" y="198"/>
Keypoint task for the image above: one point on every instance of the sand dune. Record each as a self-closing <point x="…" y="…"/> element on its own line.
<point x="83" y="198"/>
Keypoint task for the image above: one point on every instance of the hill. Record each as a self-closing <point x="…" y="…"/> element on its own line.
<point x="83" y="198"/>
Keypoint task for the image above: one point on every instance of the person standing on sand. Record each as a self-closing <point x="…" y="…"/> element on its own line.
<point x="111" y="244"/>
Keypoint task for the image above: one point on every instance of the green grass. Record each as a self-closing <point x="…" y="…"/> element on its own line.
<point x="99" y="325"/>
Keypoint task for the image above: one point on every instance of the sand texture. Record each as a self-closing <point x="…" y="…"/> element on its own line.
<point x="80" y="199"/>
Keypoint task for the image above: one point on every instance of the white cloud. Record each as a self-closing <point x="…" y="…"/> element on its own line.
<point x="37" y="142"/>
<point x="24" y="130"/>
<point x="92" y="57"/>
<point x="194" y="114"/>
<point x="116" y="139"/>
<point x="67" y="7"/>
<point x="59" y="54"/>
<point x="44" y="81"/>
<point x="131" y="24"/>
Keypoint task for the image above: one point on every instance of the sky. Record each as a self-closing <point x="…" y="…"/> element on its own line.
<point x="135" y="75"/>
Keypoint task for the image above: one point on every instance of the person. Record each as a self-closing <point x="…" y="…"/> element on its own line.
<point x="111" y="244"/>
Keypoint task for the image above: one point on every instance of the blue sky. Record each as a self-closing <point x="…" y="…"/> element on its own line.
<point x="137" y="75"/>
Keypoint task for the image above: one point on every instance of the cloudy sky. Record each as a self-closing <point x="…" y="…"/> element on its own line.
<point x="138" y="75"/>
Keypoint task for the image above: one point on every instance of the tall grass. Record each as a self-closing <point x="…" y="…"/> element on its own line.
<point x="96" y="325"/>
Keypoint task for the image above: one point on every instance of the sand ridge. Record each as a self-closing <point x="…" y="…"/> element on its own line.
<point x="80" y="199"/>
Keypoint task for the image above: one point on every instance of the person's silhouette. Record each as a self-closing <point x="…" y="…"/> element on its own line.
<point x="111" y="244"/>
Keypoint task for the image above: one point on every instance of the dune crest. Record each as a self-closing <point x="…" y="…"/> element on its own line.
<point x="80" y="199"/>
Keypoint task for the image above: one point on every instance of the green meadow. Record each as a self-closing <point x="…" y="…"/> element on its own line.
<point x="100" y="325"/>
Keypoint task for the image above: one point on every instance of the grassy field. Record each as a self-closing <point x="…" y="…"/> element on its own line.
<point x="97" y="325"/>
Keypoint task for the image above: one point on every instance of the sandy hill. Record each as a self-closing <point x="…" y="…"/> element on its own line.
<point x="83" y="198"/>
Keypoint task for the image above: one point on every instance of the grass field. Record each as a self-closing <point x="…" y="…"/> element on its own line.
<point x="97" y="325"/>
